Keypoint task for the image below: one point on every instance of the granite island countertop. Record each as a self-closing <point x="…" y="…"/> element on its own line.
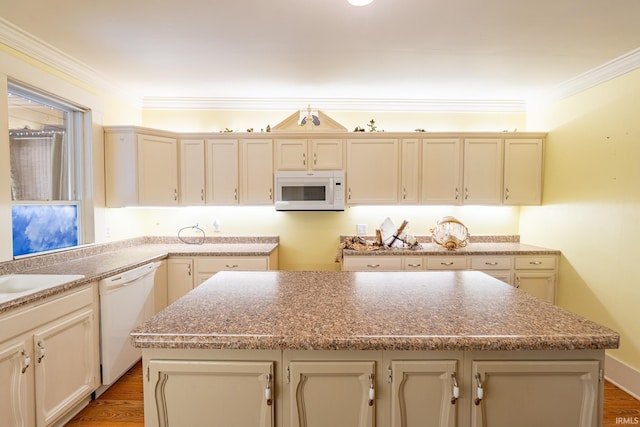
<point x="97" y="262"/>
<point x="448" y="310"/>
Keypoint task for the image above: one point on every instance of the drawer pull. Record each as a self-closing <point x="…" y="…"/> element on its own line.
<point x="479" y="390"/>
<point x="41" y="351"/>
<point x="372" y="390"/>
<point x="414" y="265"/>
<point x="267" y="391"/>
<point x="26" y="361"/>
<point x="373" y="265"/>
<point x="455" y="392"/>
<point x="535" y="262"/>
<point x="491" y="263"/>
<point x="231" y="265"/>
<point x="446" y="263"/>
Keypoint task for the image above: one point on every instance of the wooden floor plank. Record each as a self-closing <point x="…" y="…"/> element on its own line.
<point x="122" y="405"/>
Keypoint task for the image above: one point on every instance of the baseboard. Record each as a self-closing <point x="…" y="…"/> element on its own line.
<point x="622" y="375"/>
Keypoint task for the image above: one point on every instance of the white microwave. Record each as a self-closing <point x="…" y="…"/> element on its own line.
<point x="309" y="191"/>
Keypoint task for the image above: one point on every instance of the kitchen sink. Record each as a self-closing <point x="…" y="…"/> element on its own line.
<point x="16" y="285"/>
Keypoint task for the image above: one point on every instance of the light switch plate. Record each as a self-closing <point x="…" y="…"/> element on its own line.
<point x="361" y="229"/>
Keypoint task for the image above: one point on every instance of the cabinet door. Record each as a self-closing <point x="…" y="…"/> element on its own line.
<point x="157" y="170"/>
<point x="220" y="394"/>
<point x="180" y="278"/>
<point x="337" y="394"/>
<point x="192" y="174"/>
<point x="441" y="171"/>
<point x="541" y="284"/>
<point x="410" y="171"/>
<point x="291" y="154"/>
<point x="372" y="171"/>
<point x="257" y="172"/>
<point x="482" y="171"/>
<point x="222" y="172"/>
<point x="66" y="364"/>
<point x="536" y="393"/>
<point x="326" y="154"/>
<point x="16" y="383"/>
<point x="522" y="172"/>
<point x="422" y="393"/>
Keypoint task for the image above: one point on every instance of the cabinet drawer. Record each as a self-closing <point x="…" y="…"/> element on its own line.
<point x="535" y="263"/>
<point x="215" y="264"/>
<point x="413" y="263"/>
<point x="374" y="263"/>
<point x="491" y="263"/>
<point x="447" y="263"/>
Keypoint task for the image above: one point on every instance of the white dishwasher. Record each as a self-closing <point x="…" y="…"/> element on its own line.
<point x="126" y="300"/>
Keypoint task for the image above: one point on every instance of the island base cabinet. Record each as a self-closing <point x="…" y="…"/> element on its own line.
<point x="424" y="393"/>
<point x="536" y="393"/>
<point x="210" y="393"/>
<point x="332" y="393"/>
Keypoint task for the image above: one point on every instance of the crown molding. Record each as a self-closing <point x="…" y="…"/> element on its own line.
<point x="623" y="64"/>
<point x="29" y="45"/>
<point x="334" y="104"/>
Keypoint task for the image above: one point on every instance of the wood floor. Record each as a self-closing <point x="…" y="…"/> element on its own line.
<point x="122" y="405"/>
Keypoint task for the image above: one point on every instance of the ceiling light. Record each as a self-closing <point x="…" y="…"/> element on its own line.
<point x="359" y="2"/>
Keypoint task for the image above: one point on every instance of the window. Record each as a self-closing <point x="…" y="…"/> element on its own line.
<point x="45" y="146"/>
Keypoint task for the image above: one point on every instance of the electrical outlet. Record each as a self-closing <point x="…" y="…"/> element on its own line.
<point x="361" y="229"/>
<point x="216" y="225"/>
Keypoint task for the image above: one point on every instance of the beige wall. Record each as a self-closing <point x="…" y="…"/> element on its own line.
<point x="308" y="240"/>
<point x="217" y="121"/>
<point x="591" y="206"/>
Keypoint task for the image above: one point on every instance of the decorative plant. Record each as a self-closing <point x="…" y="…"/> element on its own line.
<point x="372" y="126"/>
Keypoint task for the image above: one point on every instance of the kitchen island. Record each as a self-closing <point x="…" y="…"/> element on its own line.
<point x="449" y="348"/>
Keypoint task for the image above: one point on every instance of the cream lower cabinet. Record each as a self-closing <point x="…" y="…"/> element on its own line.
<point x="211" y="393"/>
<point x="185" y="273"/>
<point x="536" y="393"/>
<point x="331" y="393"/>
<point x="208" y="266"/>
<point x="424" y="393"/>
<point x="299" y="388"/>
<point x="49" y="359"/>
<point x="536" y="275"/>
<point x="180" y="275"/>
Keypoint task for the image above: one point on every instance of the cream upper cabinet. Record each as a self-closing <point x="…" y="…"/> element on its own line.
<point x="157" y="170"/>
<point x="522" y="171"/>
<point x="256" y="172"/>
<point x="229" y="393"/>
<point x="333" y="393"/>
<point x="309" y="154"/>
<point x="442" y="171"/>
<point x="222" y="172"/>
<point x="424" y="393"/>
<point x="192" y="172"/>
<point x="372" y="171"/>
<point x="140" y="169"/>
<point x="482" y="171"/>
<point x="513" y="393"/>
<point x="410" y="171"/>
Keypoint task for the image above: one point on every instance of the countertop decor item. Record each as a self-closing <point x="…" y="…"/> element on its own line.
<point x="450" y="233"/>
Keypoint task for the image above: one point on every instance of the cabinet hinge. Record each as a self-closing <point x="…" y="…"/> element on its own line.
<point x="389" y="374"/>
